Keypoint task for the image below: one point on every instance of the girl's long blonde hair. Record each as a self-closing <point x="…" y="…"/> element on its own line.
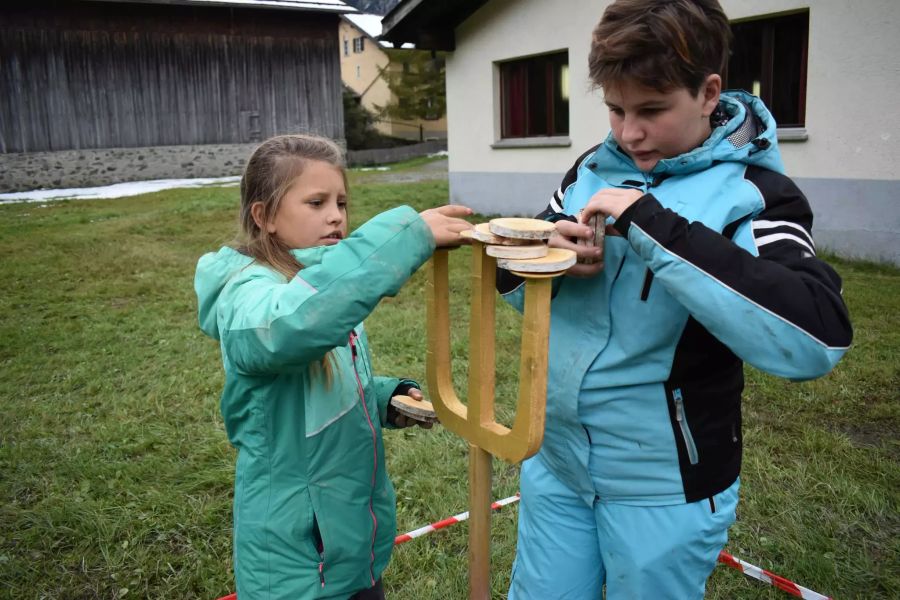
<point x="272" y="169"/>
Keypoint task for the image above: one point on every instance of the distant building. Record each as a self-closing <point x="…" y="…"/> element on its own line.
<point x="363" y="59"/>
<point x="521" y="109"/>
<point x="95" y="92"/>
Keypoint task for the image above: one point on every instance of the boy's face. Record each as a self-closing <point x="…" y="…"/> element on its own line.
<point x="651" y="125"/>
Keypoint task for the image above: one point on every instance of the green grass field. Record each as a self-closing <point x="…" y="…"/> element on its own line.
<point x="116" y="476"/>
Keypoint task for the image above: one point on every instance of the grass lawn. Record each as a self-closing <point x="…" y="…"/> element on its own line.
<point x="116" y="476"/>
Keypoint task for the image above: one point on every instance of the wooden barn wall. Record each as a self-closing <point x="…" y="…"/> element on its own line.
<point x="101" y="75"/>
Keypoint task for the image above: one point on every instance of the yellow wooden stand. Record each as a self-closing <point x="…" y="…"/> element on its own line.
<point x="476" y="422"/>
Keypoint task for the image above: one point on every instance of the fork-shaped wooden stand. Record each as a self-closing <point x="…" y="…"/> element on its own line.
<point x="475" y="422"/>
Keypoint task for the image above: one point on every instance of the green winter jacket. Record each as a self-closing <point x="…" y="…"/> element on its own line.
<point x="314" y="510"/>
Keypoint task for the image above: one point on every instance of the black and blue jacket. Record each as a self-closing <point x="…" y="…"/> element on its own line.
<point x="717" y="267"/>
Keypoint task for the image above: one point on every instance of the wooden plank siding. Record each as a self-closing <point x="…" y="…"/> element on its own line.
<point x="80" y="75"/>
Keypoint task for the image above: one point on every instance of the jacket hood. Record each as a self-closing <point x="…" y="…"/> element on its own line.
<point x="748" y="137"/>
<point x="216" y="270"/>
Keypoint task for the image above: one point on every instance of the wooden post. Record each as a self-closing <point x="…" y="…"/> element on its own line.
<point x="476" y="422"/>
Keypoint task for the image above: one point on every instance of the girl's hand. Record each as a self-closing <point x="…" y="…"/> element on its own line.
<point x="400" y="420"/>
<point x="446" y="224"/>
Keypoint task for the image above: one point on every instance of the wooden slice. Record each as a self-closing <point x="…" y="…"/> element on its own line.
<point x="597" y="223"/>
<point x="420" y="410"/>
<point x="482" y="233"/>
<point x="529" y="251"/>
<point x="538" y="275"/>
<point x="524" y="229"/>
<point x="557" y="259"/>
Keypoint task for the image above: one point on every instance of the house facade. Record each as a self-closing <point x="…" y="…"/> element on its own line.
<point x="97" y="92"/>
<point x="364" y="59"/>
<point x="521" y="108"/>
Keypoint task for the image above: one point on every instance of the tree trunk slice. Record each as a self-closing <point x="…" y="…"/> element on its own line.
<point x="529" y="251"/>
<point x="598" y="224"/>
<point x="523" y="229"/>
<point x="482" y="233"/>
<point x="538" y="275"/>
<point x="420" y="410"/>
<point x="557" y="259"/>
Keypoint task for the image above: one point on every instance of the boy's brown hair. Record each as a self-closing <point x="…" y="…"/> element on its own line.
<point x="661" y="44"/>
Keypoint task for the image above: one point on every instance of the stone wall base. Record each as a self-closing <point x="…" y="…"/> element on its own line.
<point x="88" y="168"/>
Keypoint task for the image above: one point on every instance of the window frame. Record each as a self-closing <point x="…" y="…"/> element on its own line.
<point x="555" y="64"/>
<point x="767" y="24"/>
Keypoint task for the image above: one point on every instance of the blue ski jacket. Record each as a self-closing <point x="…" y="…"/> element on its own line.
<point x="716" y="266"/>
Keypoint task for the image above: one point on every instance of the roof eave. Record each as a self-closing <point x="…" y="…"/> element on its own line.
<point x="430" y="25"/>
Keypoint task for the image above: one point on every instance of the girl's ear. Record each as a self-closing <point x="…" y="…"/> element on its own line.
<point x="258" y="212"/>
<point x="711" y="90"/>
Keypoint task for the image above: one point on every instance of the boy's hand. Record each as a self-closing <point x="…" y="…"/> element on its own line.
<point x="446" y="224"/>
<point x="612" y="202"/>
<point x="565" y="231"/>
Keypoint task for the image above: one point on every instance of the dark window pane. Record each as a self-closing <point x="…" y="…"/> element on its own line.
<point x="745" y="66"/>
<point x="789" y="69"/>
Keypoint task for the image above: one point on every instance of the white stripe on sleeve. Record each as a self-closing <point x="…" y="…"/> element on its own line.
<point x="776" y="237"/>
<point x="763" y="224"/>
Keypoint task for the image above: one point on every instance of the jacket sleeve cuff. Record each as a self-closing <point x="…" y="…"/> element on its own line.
<point x="645" y="206"/>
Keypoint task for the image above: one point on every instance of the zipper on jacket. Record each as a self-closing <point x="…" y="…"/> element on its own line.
<point x="362" y="399"/>
<point x="683" y="425"/>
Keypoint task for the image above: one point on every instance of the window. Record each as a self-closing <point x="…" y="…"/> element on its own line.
<point x="534" y="96"/>
<point x="346" y="47"/>
<point x="359" y="44"/>
<point x="358" y="72"/>
<point x="769" y="59"/>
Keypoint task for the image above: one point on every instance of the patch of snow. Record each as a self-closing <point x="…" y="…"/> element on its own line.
<point x="440" y="153"/>
<point x="117" y="190"/>
<point x="374" y="169"/>
<point x="370" y="24"/>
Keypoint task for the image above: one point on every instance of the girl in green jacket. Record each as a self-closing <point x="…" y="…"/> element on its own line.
<point x="314" y="513"/>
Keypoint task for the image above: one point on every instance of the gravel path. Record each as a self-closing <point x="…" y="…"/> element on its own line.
<point x="431" y="171"/>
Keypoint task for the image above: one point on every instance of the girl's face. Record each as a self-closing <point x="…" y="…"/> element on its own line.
<point x="313" y="212"/>
<point x="651" y="125"/>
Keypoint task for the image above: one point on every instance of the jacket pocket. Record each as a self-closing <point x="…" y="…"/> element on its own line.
<point x="648" y="281"/>
<point x="320" y="549"/>
<point x="683" y="426"/>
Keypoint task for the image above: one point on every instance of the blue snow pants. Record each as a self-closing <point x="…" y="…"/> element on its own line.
<point x="568" y="550"/>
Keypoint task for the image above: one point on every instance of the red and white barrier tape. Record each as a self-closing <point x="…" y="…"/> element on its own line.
<point x="400" y="539"/>
<point x="781" y="583"/>
<point x="724" y="558"/>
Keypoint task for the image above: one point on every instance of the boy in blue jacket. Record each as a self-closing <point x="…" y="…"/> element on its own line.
<point x="709" y="262"/>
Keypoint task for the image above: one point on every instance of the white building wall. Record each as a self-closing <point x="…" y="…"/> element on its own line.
<point x="847" y="166"/>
